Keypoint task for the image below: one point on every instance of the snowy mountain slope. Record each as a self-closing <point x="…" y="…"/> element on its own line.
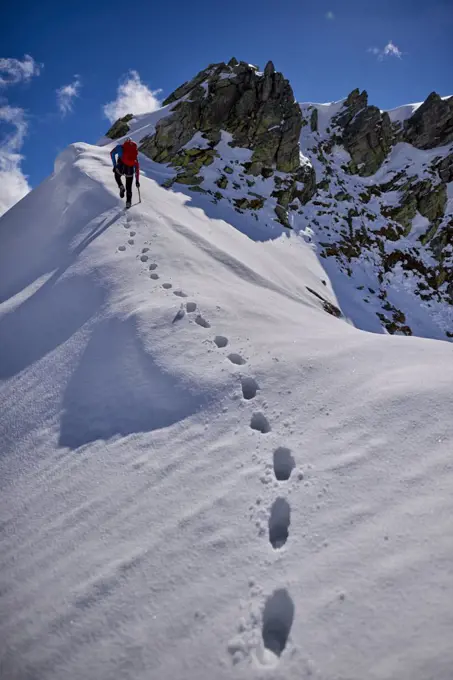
<point x="232" y="484"/>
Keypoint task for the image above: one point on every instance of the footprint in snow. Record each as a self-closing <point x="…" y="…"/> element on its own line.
<point x="221" y="341"/>
<point x="191" y="306"/>
<point x="167" y="286"/>
<point x="236" y="359"/>
<point x="144" y="258"/>
<point x="179" y="314"/>
<point x="249" y="388"/>
<point x="179" y="293"/>
<point x="260" y="423"/>
<point x="279" y="521"/>
<point x="131" y="241"/>
<point x="284" y="463"/>
<point x="202" y="322"/>
<point x="154" y="276"/>
<point x="132" y="233"/>
<point x="145" y="250"/>
<point x="122" y="248"/>
<point x="152" y="266"/>
<point x="278" y="616"/>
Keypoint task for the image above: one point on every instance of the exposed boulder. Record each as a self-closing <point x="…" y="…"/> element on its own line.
<point x="403" y="213"/>
<point x="432" y="123"/>
<point x="314" y="120"/>
<point x="431" y="201"/>
<point x="422" y="196"/>
<point x="368" y="138"/>
<point x="120" y="127"/>
<point x="366" y="133"/>
<point x="445" y="169"/>
<point x="258" y="109"/>
<point x="354" y="102"/>
<point x="282" y="216"/>
<point x="173" y="132"/>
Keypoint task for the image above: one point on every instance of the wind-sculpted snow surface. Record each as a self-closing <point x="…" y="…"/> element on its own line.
<point x="204" y="474"/>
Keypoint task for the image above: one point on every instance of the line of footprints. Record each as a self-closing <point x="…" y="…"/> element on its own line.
<point x="278" y="611"/>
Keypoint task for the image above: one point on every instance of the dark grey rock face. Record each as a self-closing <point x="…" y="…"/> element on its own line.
<point x="258" y="109"/>
<point x="432" y="123"/>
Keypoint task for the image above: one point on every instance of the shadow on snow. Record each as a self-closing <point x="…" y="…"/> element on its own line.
<point x="119" y="389"/>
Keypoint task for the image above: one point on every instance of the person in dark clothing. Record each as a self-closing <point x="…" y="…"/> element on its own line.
<point x="126" y="164"/>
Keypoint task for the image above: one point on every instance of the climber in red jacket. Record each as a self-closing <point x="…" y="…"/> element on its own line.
<point x="126" y="163"/>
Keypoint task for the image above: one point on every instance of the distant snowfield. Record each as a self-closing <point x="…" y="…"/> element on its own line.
<point x="203" y="474"/>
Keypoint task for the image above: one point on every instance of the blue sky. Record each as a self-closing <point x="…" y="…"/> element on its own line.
<point x="398" y="50"/>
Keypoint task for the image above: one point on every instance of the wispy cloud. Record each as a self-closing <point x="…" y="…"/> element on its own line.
<point x="13" y="183"/>
<point x="133" y="96"/>
<point x="330" y="16"/>
<point x="13" y="71"/>
<point x="66" y="95"/>
<point x="389" y="50"/>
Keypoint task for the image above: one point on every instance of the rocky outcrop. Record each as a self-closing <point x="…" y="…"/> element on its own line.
<point x="258" y="109"/>
<point x="431" y="201"/>
<point x="421" y="196"/>
<point x="432" y="123"/>
<point x="356" y="101"/>
<point x="314" y="120"/>
<point x="120" y="127"/>
<point x="445" y="169"/>
<point x="365" y="132"/>
<point x="368" y="138"/>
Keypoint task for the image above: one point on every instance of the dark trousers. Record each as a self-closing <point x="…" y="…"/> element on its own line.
<point x="128" y="172"/>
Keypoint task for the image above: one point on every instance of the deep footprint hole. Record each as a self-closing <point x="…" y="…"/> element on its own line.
<point x="154" y="276"/>
<point x="167" y="286"/>
<point x="202" y="322"/>
<point x="260" y="423"/>
<point x="279" y="521"/>
<point x="249" y="388"/>
<point x="179" y="293"/>
<point x="278" y="617"/>
<point x="221" y="341"/>
<point x="236" y="359"/>
<point x="191" y="306"/>
<point x="152" y="266"/>
<point x="284" y="463"/>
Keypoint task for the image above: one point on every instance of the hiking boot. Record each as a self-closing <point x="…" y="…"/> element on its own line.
<point x="128" y="204"/>
<point x="122" y="192"/>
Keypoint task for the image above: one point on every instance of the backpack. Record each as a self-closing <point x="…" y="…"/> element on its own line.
<point x="130" y="153"/>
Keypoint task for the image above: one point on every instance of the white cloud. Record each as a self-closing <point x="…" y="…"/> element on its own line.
<point x="14" y="71"/>
<point x="330" y="16"/>
<point x="389" y="50"/>
<point x="133" y="96"/>
<point x="66" y="95"/>
<point x="13" y="183"/>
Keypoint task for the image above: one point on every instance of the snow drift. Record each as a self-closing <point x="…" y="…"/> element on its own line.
<point x="204" y="474"/>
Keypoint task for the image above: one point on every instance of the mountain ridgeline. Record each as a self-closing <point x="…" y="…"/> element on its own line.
<point x="371" y="189"/>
